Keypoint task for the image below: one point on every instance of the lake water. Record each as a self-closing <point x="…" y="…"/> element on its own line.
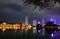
<point x="29" y="34"/>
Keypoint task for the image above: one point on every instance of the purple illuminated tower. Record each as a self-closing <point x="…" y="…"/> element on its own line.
<point x="39" y="22"/>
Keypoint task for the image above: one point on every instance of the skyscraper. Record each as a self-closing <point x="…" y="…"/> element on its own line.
<point x="34" y="22"/>
<point x="43" y="22"/>
<point x="26" y="20"/>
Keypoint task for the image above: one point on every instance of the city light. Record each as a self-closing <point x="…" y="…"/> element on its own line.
<point x="23" y="26"/>
<point x="52" y="35"/>
<point x="7" y="26"/>
<point x="10" y="26"/>
<point x="29" y="26"/>
<point x="3" y="29"/>
<point x="0" y="26"/>
<point x="17" y="26"/>
<point x="39" y="22"/>
<point x="52" y="19"/>
<point x="4" y="26"/>
<point x="4" y="23"/>
<point x="34" y="30"/>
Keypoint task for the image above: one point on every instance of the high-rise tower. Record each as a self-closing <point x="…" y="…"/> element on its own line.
<point x="43" y="22"/>
<point x="26" y="20"/>
<point x="34" y="22"/>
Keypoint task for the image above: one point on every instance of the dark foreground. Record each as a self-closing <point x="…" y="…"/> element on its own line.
<point x="42" y="34"/>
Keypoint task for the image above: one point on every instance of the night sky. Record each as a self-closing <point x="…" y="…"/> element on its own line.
<point x="15" y="11"/>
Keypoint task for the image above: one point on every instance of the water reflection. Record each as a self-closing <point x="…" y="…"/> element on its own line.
<point x="32" y="34"/>
<point x="43" y="33"/>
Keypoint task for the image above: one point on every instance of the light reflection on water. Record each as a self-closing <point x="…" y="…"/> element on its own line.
<point x="41" y="34"/>
<point x="54" y="35"/>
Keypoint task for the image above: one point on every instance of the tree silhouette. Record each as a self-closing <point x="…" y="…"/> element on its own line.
<point x="51" y="27"/>
<point x="42" y="4"/>
<point x="38" y="26"/>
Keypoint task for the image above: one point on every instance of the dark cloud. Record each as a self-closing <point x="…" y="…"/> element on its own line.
<point x="17" y="13"/>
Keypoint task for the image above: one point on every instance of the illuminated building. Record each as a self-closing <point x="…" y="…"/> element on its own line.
<point x="23" y="27"/>
<point x="43" y="22"/>
<point x="34" y="26"/>
<point x="34" y="22"/>
<point x="26" y="20"/>
<point x="7" y="26"/>
<point x="29" y="26"/>
<point x="4" y="26"/>
<point x="18" y="26"/>
<point x="39" y="22"/>
<point x="11" y="27"/>
<point x="0" y="26"/>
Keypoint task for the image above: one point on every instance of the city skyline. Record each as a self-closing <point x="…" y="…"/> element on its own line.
<point x="21" y="20"/>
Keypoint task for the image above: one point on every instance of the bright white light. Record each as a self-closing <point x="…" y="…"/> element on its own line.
<point x="34" y="28"/>
<point x="52" y="34"/>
